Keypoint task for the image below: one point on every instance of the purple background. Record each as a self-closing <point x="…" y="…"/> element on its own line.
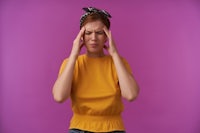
<point x="160" y="40"/>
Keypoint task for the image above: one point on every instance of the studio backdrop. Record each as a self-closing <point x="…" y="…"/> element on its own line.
<point x="159" y="39"/>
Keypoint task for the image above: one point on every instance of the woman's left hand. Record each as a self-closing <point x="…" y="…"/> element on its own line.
<point x="111" y="48"/>
<point x="128" y="86"/>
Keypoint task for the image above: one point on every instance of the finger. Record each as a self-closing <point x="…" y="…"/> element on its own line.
<point x="80" y="34"/>
<point x="106" y="31"/>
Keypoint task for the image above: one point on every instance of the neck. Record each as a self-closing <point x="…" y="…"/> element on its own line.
<point x="100" y="54"/>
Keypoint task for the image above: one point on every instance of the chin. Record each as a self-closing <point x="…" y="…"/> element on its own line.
<point x="91" y="50"/>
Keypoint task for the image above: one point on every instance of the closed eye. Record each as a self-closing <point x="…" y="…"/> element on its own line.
<point x="100" y="32"/>
<point x="88" y="33"/>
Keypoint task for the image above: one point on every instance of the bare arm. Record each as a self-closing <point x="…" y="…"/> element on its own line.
<point x="128" y="85"/>
<point x="62" y="86"/>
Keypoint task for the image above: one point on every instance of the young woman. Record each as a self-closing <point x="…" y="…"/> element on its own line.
<point x="94" y="81"/>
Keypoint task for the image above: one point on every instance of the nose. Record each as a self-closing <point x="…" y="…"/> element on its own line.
<point x="93" y="36"/>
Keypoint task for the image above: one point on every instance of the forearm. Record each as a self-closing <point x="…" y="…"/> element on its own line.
<point x="62" y="86"/>
<point x="128" y="85"/>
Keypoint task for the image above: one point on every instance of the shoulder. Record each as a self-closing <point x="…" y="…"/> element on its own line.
<point x="80" y="57"/>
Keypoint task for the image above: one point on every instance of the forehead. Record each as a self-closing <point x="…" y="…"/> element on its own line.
<point x="95" y="25"/>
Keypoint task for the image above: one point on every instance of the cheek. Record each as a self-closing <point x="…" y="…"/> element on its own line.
<point x="104" y="39"/>
<point x="85" y="39"/>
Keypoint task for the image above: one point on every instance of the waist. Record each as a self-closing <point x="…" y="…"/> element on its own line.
<point x="96" y="117"/>
<point x="97" y="123"/>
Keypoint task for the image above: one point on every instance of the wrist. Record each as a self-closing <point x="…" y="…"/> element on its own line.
<point x="73" y="56"/>
<point x="115" y="54"/>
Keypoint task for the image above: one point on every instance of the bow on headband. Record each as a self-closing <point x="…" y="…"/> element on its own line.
<point x="95" y="10"/>
<point x="90" y="10"/>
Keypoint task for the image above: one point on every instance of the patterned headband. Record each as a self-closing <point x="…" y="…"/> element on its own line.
<point x="90" y="10"/>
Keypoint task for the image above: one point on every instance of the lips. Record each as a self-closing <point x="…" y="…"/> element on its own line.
<point x="93" y="45"/>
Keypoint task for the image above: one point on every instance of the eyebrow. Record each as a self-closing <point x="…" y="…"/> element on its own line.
<point x="95" y="31"/>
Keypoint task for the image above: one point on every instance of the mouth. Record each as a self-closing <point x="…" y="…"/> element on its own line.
<point x="94" y="45"/>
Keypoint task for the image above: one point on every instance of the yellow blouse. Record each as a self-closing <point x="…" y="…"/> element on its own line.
<point x="95" y="95"/>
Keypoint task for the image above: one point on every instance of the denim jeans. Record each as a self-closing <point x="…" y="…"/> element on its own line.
<point x="81" y="131"/>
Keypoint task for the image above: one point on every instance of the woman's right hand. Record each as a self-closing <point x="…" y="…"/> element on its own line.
<point x="77" y="43"/>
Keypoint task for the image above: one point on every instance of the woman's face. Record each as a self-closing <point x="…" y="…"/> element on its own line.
<point x="94" y="37"/>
